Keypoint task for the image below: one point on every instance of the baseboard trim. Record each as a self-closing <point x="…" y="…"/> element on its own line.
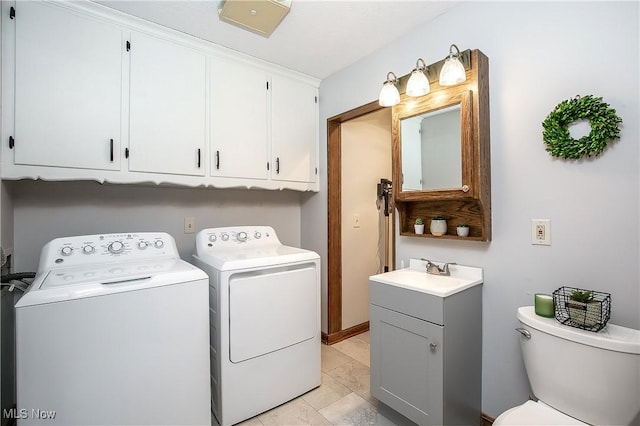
<point x="486" y="420"/>
<point x="330" y="339"/>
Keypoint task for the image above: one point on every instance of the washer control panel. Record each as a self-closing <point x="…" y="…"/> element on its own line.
<point x="107" y="273"/>
<point x="87" y="249"/>
<point x="237" y="236"/>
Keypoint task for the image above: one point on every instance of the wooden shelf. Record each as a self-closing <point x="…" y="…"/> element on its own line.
<point x="468" y="211"/>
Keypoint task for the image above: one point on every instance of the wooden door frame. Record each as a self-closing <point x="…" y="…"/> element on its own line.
<point x="335" y="333"/>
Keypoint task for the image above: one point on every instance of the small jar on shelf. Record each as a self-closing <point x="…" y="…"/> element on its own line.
<point x="462" y="229"/>
<point x="438" y="226"/>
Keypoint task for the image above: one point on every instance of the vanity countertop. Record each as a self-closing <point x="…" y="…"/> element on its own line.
<point x="416" y="278"/>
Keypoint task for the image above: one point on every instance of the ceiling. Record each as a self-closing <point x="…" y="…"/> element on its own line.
<point x="317" y="37"/>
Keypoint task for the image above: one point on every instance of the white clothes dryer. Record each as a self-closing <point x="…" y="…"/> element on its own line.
<point x="264" y="304"/>
<point x="113" y="330"/>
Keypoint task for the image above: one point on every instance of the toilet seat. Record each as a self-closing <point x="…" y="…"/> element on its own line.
<point x="534" y="413"/>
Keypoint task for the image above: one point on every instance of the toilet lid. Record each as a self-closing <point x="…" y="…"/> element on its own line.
<point x="535" y="413"/>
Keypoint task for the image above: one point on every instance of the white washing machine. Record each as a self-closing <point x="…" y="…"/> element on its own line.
<point x="113" y="330"/>
<point x="265" y="319"/>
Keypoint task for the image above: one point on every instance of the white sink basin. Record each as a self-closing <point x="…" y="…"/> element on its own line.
<point x="415" y="277"/>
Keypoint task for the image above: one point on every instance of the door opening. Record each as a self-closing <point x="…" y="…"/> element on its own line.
<point x="348" y="221"/>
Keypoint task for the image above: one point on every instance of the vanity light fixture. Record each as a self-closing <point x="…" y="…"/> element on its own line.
<point x="418" y="84"/>
<point x="448" y="72"/>
<point x="389" y="95"/>
<point x="452" y="71"/>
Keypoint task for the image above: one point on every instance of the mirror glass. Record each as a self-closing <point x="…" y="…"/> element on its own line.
<point x="432" y="150"/>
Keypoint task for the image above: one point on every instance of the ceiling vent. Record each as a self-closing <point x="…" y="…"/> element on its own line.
<point x="258" y="16"/>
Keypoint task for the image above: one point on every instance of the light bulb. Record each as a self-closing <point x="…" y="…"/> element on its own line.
<point x="452" y="72"/>
<point x="389" y="95"/>
<point x="418" y="84"/>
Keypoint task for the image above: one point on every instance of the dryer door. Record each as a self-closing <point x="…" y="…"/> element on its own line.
<point x="270" y="310"/>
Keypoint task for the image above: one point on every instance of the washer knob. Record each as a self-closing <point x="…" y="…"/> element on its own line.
<point x="225" y="237"/>
<point x="116" y="247"/>
<point x="242" y="236"/>
<point x="66" y="251"/>
<point x="88" y="249"/>
<point x="213" y="238"/>
<point x="159" y="244"/>
<point x="257" y="235"/>
<point x="142" y="245"/>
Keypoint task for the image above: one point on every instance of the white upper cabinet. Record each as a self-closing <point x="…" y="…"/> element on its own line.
<point x="294" y="132"/>
<point x="68" y="72"/>
<point x="239" y="120"/>
<point x="92" y="94"/>
<point x="167" y="125"/>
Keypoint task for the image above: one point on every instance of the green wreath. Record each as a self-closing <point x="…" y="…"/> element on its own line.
<point x="605" y="127"/>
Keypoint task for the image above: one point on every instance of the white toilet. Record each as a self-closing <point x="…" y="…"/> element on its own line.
<point x="579" y="377"/>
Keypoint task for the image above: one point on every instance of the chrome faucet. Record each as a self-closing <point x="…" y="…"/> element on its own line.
<point x="434" y="269"/>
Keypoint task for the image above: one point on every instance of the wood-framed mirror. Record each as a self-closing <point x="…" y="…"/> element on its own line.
<point x="441" y="156"/>
<point x="433" y="136"/>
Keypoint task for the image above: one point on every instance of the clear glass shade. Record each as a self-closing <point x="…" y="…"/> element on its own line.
<point x="389" y="95"/>
<point x="418" y="84"/>
<point x="452" y="72"/>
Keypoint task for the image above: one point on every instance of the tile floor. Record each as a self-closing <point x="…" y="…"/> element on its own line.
<point x="343" y="398"/>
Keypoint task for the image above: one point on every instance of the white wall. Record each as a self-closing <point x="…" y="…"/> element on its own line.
<point x="366" y="158"/>
<point x="47" y="210"/>
<point x="540" y="53"/>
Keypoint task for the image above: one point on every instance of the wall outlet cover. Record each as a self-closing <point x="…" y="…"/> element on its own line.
<point x="541" y="232"/>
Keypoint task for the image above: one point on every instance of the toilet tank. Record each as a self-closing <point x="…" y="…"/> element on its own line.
<point x="594" y="377"/>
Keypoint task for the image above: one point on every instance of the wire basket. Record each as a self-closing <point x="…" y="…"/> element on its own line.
<point x="592" y="315"/>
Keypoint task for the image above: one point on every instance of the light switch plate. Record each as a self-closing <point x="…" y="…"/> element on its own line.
<point x="541" y="232"/>
<point x="189" y="224"/>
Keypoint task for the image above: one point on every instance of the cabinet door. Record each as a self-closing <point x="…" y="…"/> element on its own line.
<point x="407" y="365"/>
<point x="238" y="120"/>
<point x="294" y="132"/>
<point x="67" y="88"/>
<point x="167" y="107"/>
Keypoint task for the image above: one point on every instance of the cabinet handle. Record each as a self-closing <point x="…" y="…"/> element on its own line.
<point x="111" y="150"/>
<point x="126" y="153"/>
<point x="433" y="346"/>
<point x="277" y="165"/>
<point x="198" y="157"/>
<point x="217" y="160"/>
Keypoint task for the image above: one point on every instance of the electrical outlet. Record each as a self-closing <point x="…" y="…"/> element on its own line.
<point x="541" y="232"/>
<point x="189" y="224"/>
<point x="356" y="220"/>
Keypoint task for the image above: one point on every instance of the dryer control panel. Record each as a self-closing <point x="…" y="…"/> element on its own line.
<point x="99" y="248"/>
<point x="235" y="236"/>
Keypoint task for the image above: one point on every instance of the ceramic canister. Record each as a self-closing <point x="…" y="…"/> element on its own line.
<point x="438" y="226"/>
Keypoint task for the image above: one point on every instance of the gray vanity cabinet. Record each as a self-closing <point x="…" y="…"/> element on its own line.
<point x="426" y="353"/>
